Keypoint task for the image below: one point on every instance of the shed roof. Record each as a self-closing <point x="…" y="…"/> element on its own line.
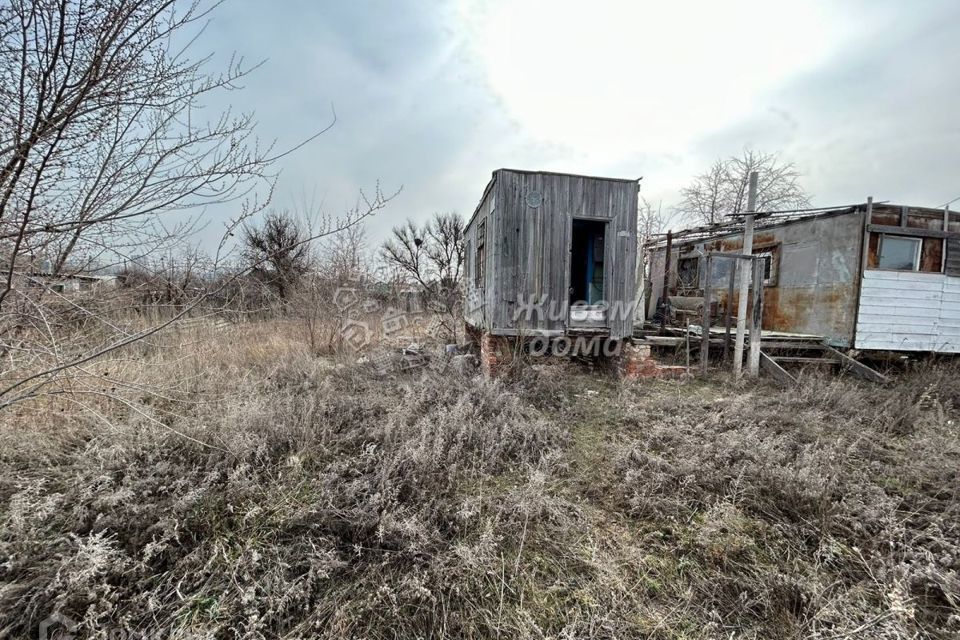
<point x="493" y="178"/>
<point x="773" y="219"/>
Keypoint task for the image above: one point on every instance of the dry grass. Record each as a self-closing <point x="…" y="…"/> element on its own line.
<point x="233" y="486"/>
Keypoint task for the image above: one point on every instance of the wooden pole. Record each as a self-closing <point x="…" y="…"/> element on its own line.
<point x="946" y="229"/>
<point x="705" y="325"/>
<point x="728" y="314"/>
<point x="756" y="318"/>
<point x="864" y="252"/>
<point x="867" y="220"/>
<point x="745" y="276"/>
<point x="666" y="280"/>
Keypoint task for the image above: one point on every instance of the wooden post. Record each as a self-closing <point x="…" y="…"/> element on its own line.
<point x="756" y="319"/>
<point x="745" y="276"/>
<point x="946" y="229"/>
<point x="864" y="253"/>
<point x="705" y="325"/>
<point x="666" y="278"/>
<point x="867" y="216"/>
<point x="728" y="314"/>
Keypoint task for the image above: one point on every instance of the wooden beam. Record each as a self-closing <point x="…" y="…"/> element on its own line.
<point x="666" y="280"/>
<point x="946" y="229"/>
<point x="728" y="314"/>
<point x="721" y="254"/>
<point x="770" y="343"/>
<point x="756" y="319"/>
<point x="857" y="368"/>
<point x="805" y="359"/>
<point x="745" y="275"/>
<point x="864" y="263"/>
<point x="705" y="326"/>
<point x="912" y="231"/>
<point x="775" y="371"/>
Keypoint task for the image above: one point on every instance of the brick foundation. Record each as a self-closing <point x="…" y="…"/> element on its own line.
<point x="636" y="362"/>
<point x="496" y="354"/>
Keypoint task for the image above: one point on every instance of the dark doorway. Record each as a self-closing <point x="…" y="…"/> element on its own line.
<point x="586" y="261"/>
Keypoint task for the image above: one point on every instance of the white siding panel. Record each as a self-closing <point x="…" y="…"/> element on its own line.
<point x="912" y="294"/>
<point x="899" y="285"/>
<point x="902" y="314"/>
<point x="877" y="275"/>
<point x="904" y="311"/>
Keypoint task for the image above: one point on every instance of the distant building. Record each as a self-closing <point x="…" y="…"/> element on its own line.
<point x="71" y="283"/>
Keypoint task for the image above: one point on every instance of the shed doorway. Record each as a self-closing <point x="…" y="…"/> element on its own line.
<point x="587" y="247"/>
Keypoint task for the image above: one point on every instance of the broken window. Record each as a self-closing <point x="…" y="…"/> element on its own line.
<point x="587" y="247"/>
<point x="688" y="274"/>
<point x="899" y="253"/>
<point x="468" y="260"/>
<point x="769" y="260"/>
<point x="480" y="260"/>
<point x="952" y="261"/>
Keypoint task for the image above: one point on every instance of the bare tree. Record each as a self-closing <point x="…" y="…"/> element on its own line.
<point x="277" y="252"/>
<point x="102" y="129"/>
<point x="432" y="257"/>
<point x="50" y="366"/>
<point x="650" y="220"/>
<point x="103" y="135"/>
<point x="705" y="198"/>
<point x="340" y="263"/>
<point x="722" y="189"/>
<point x="343" y="257"/>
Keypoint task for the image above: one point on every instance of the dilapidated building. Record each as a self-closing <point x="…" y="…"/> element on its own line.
<point x="552" y="255"/>
<point x="867" y="276"/>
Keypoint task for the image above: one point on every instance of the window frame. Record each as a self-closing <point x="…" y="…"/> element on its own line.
<point x="917" y="254"/>
<point x="480" y="257"/>
<point x="696" y="281"/>
<point x="772" y="254"/>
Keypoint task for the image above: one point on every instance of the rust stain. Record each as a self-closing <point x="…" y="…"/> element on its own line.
<point x="735" y="245"/>
<point x="889" y="218"/>
<point x="764" y="238"/>
<point x="795" y="308"/>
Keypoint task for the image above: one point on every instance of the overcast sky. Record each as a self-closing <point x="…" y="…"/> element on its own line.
<point x="863" y="96"/>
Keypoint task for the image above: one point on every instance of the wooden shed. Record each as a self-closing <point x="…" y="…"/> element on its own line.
<point x="552" y="254"/>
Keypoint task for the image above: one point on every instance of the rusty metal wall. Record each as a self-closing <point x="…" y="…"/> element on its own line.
<point x="817" y="281"/>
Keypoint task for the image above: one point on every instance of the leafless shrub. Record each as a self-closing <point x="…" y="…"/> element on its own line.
<point x="278" y="252"/>
<point x="270" y="493"/>
<point x="309" y="492"/>
<point x="852" y="486"/>
<point x="432" y="258"/>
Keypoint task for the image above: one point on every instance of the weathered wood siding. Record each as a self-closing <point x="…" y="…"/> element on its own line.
<point x="529" y="248"/>
<point x="909" y="311"/>
<point x="479" y="300"/>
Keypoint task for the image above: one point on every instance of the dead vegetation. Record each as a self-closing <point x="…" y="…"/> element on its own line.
<point x="268" y="493"/>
